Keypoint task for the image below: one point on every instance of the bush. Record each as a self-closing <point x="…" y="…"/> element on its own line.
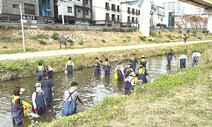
<point x="6" y="39"/>
<point x="55" y="36"/>
<point x="81" y="43"/>
<point x="71" y="42"/>
<point x="42" y="42"/>
<point x="199" y="38"/>
<point x="153" y="33"/>
<point x="103" y="41"/>
<point x="194" y="35"/>
<point x="194" y="32"/>
<point x="205" y="31"/>
<point x="4" y="47"/>
<point x="150" y="40"/>
<point x="143" y="38"/>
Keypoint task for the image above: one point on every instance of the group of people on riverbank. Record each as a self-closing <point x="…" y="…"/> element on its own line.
<point x="131" y="75"/>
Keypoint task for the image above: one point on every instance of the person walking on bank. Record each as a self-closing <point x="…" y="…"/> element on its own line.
<point x="106" y="67"/>
<point x="49" y="71"/>
<point x="40" y="71"/>
<point x="185" y="38"/>
<point x="182" y="60"/>
<point x="142" y="73"/>
<point x="120" y="71"/>
<point x="70" y="97"/>
<point x="133" y="62"/>
<point x="38" y="100"/>
<point x="69" y="66"/>
<point x="47" y="87"/>
<point x="195" y="57"/>
<point x="143" y="61"/>
<point x="130" y="83"/>
<point x="17" y="110"/>
<point x="97" y="66"/>
<point x="170" y="56"/>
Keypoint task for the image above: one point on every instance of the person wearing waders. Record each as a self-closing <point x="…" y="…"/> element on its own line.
<point x="38" y="100"/>
<point x="120" y="71"/>
<point x="70" y="98"/>
<point x="106" y="67"/>
<point x="142" y="73"/>
<point x="143" y="61"/>
<point x="127" y="71"/>
<point x="182" y="60"/>
<point x="69" y="66"/>
<point x="195" y="57"/>
<point x="40" y="71"/>
<point x="17" y="110"/>
<point x="133" y="62"/>
<point x="49" y="71"/>
<point x="170" y="56"/>
<point x="130" y="83"/>
<point x="97" y="67"/>
<point x="47" y="87"/>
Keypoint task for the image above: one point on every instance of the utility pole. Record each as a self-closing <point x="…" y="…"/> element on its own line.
<point x="22" y="28"/>
<point x="63" y="22"/>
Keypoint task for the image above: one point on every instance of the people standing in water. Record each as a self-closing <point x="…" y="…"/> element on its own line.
<point x="142" y="73"/>
<point x="133" y="62"/>
<point x="38" y="100"/>
<point x="170" y="56"/>
<point x="97" y="65"/>
<point x="183" y="60"/>
<point x="143" y="61"/>
<point x="130" y="83"/>
<point x="127" y="70"/>
<point x="120" y="71"/>
<point x="70" y="97"/>
<point x="69" y="66"/>
<point x="49" y="71"/>
<point x="17" y="110"/>
<point x="47" y="87"/>
<point x="40" y="71"/>
<point x="106" y="67"/>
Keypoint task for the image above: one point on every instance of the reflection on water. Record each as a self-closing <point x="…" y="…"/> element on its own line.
<point x="92" y="88"/>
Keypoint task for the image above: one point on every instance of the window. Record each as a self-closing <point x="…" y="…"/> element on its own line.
<point x="128" y="19"/>
<point x="29" y="9"/>
<point x="107" y="16"/>
<point x="118" y="9"/>
<point x="113" y="17"/>
<point x="138" y="12"/>
<point x="15" y="6"/>
<point x="136" y="20"/>
<point x="133" y="11"/>
<point x="118" y="18"/>
<point x="69" y="9"/>
<point x="79" y="11"/>
<point x="86" y="2"/>
<point x="86" y="12"/>
<point x="78" y="0"/>
<point x="133" y="20"/>
<point x="113" y="7"/>
<point x="107" y="6"/>
<point x="128" y="10"/>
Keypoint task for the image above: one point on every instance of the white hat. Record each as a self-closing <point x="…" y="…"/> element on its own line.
<point x="21" y="90"/>
<point x="133" y="74"/>
<point x="37" y="84"/>
<point x="142" y="56"/>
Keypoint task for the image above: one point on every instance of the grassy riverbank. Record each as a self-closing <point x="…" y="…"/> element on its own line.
<point x="180" y="99"/>
<point x="47" y="39"/>
<point x="26" y="68"/>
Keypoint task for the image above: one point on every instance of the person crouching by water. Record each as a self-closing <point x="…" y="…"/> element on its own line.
<point x="38" y="100"/>
<point x="130" y="83"/>
<point x="70" y="97"/>
<point x="69" y="66"/>
<point x="17" y="110"/>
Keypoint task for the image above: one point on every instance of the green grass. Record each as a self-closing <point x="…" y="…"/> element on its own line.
<point x="17" y="51"/>
<point x="170" y="100"/>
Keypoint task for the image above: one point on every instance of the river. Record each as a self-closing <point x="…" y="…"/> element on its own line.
<point x="93" y="89"/>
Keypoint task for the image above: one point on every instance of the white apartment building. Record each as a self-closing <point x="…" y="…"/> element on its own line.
<point x="74" y="11"/>
<point x="116" y="12"/>
<point x="157" y="16"/>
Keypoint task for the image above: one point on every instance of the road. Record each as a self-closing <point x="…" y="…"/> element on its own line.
<point x="89" y="50"/>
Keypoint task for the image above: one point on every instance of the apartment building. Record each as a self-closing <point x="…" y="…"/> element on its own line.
<point x="32" y="9"/>
<point x="74" y="11"/>
<point x="157" y="16"/>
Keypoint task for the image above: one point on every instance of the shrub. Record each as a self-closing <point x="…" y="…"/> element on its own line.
<point x="194" y="32"/>
<point x="150" y="40"/>
<point x="143" y="38"/>
<point x="194" y="35"/>
<point x="153" y="33"/>
<point x="6" y="39"/>
<point x="71" y="42"/>
<point x="55" y="36"/>
<point x="4" y="47"/>
<point x="205" y="31"/>
<point x="199" y="37"/>
<point x="103" y="41"/>
<point x="81" y="43"/>
<point x="188" y="31"/>
<point x="42" y="42"/>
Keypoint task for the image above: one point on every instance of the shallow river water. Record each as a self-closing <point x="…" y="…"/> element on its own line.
<point x="93" y="89"/>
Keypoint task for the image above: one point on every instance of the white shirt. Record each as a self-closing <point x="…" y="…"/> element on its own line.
<point x="131" y="80"/>
<point x="196" y="54"/>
